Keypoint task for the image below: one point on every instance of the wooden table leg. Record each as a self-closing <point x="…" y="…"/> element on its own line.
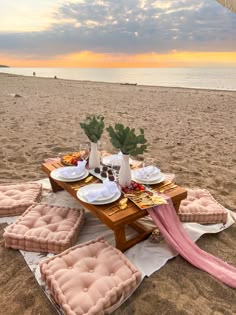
<point x="55" y="186"/>
<point x="176" y="205"/>
<point x="120" y="237"/>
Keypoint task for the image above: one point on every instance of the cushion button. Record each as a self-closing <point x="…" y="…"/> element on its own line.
<point x="85" y="289"/>
<point x="70" y="267"/>
<point x="91" y="270"/>
<point x="112" y="274"/>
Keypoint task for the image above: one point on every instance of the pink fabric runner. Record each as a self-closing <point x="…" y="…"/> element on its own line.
<point x="166" y="219"/>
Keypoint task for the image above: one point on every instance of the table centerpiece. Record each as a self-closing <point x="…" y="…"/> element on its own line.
<point x="93" y="127"/>
<point x="125" y="139"/>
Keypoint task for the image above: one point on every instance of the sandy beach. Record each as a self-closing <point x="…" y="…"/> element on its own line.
<point x="192" y="134"/>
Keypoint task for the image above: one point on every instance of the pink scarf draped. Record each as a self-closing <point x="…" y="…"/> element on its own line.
<point x="167" y="221"/>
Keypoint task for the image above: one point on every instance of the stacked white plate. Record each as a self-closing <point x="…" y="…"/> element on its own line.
<point x="101" y="200"/>
<point x="139" y="177"/>
<point x="109" y="159"/>
<point x="69" y="174"/>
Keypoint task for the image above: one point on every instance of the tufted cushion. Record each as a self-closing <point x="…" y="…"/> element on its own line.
<point x="201" y="207"/>
<point x="45" y="228"/>
<point x="15" y="199"/>
<point x="90" y="279"/>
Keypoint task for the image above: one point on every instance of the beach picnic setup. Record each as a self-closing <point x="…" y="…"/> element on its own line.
<point x="101" y="221"/>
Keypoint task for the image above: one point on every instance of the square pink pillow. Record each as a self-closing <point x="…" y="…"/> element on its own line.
<point x="16" y="198"/>
<point x="201" y="207"/>
<point x="45" y="228"/>
<point x="92" y="278"/>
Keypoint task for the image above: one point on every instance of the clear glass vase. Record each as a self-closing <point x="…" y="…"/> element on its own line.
<point x="125" y="171"/>
<point x="94" y="158"/>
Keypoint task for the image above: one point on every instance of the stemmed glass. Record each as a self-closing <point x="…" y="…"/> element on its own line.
<point x="102" y="146"/>
<point x="115" y="165"/>
<point x="84" y="151"/>
<point x="148" y="161"/>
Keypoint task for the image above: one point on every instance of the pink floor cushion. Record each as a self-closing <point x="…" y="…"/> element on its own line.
<point x="16" y="198"/>
<point x="45" y="228"/>
<point x="90" y="279"/>
<point x="201" y="207"/>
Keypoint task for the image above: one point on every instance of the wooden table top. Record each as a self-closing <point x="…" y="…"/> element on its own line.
<point x="129" y="215"/>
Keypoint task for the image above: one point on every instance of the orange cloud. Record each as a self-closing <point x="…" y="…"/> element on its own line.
<point x="88" y="59"/>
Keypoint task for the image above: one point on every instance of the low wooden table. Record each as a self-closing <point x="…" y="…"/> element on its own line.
<point x="118" y="221"/>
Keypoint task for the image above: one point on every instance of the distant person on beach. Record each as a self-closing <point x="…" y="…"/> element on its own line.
<point x="34" y="74"/>
<point x="55" y="77"/>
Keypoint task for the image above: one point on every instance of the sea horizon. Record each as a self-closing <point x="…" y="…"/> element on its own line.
<point x="218" y="78"/>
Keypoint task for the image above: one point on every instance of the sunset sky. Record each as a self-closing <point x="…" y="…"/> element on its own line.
<point x="116" y="33"/>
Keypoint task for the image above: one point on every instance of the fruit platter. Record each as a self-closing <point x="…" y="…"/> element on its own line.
<point x="141" y="196"/>
<point x="71" y="159"/>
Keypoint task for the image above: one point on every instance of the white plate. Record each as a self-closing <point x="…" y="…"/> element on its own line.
<point x="80" y="195"/>
<point x="107" y="160"/>
<point x="160" y="179"/>
<point x="55" y="175"/>
<point x="152" y="178"/>
<point x="94" y="187"/>
<point x="75" y="176"/>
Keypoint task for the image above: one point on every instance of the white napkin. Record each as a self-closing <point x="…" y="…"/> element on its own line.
<point x="147" y="172"/>
<point x="71" y="172"/>
<point x="106" y="189"/>
<point x="109" y="159"/>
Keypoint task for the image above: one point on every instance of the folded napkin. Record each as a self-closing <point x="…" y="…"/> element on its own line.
<point x="109" y="159"/>
<point x="105" y="190"/>
<point x="70" y="172"/>
<point x="147" y="172"/>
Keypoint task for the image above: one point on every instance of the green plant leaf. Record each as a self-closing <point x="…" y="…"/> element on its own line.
<point x="93" y="127"/>
<point x="125" y="139"/>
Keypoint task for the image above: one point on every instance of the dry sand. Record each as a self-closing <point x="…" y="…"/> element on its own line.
<point x="192" y="134"/>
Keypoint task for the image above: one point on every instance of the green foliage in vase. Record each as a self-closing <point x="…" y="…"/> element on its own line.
<point x="125" y="139"/>
<point x="93" y="127"/>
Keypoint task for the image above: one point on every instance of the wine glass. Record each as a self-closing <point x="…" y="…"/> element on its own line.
<point x="147" y="162"/>
<point x="84" y="151"/>
<point x="102" y="148"/>
<point x="116" y="165"/>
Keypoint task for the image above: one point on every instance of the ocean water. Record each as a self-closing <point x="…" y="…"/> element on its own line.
<point x="201" y="78"/>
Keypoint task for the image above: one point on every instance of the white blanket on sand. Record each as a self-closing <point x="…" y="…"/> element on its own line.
<point x="139" y="254"/>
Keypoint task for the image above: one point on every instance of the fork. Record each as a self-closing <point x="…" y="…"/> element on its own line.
<point x="78" y="186"/>
<point x="115" y="211"/>
<point x="167" y="189"/>
<point x="162" y="186"/>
